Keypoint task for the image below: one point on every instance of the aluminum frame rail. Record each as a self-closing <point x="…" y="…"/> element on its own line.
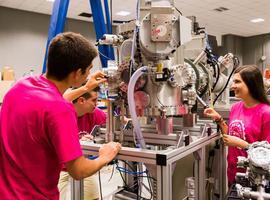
<point x="163" y="160"/>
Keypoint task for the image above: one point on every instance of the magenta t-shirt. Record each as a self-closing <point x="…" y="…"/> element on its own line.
<point x="249" y="124"/>
<point x="39" y="134"/>
<point x="89" y="120"/>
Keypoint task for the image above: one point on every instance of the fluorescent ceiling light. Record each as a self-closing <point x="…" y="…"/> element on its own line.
<point x="257" y="20"/>
<point x="50" y="0"/>
<point x="123" y="13"/>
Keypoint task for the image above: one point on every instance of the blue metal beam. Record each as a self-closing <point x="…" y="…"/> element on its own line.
<point x="109" y="26"/>
<point x="106" y="52"/>
<point x="108" y="17"/>
<point x="57" y="24"/>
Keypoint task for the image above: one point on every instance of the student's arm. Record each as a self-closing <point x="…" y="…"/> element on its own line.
<point x="215" y="116"/>
<point x="96" y="79"/>
<point x="222" y="124"/>
<point x="228" y="139"/>
<point x="82" y="167"/>
<point x="234" y="141"/>
<point x="71" y="95"/>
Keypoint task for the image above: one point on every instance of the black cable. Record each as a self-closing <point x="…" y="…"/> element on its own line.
<point x="138" y="196"/>
<point x="122" y="177"/>
<point x="210" y="61"/>
<point x="214" y="68"/>
<point x="138" y="46"/>
<point x="150" y="188"/>
<point x="137" y="181"/>
<point x="100" y="190"/>
<point x="129" y="165"/>
<point x="224" y="86"/>
<point x="236" y="63"/>
<point x="111" y="174"/>
<point x="218" y="75"/>
<point x="213" y="63"/>
<point x="178" y="10"/>
<point x="132" y="186"/>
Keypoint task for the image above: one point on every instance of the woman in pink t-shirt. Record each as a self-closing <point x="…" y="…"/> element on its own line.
<point x="249" y="119"/>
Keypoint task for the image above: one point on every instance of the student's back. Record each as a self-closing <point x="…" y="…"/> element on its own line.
<point x="32" y="152"/>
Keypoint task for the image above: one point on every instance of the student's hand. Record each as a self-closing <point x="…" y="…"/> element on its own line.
<point x="87" y="137"/>
<point x="108" y="151"/>
<point x="95" y="79"/>
<point x="125" y="119"/>
<point x="234" y="141"/>
<point x="210" y="112"/>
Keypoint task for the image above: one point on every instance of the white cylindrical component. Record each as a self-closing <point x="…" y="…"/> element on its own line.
<point x="226" y="62"/>
<point x="199" y="58"/>
<point x="131" y="105"/>
<point x="109" y="39"/>
<point x="221" y="83"/>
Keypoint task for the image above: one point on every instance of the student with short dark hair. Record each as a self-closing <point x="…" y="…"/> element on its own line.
<point x="39" y="132"/>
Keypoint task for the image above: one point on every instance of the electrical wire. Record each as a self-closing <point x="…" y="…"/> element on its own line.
<point x="111" y="174"/>
<point x="158" y="97"/>
<point x="129" y="165"/>
<point x="150" y="186"/>
<point x="122" y="169"/>
<point x="178" y="10"/>
<point x="213" y="62"/>
<point x="159" y="100"/>
<point x="225" y="85"/>
<point x="138" y="175"/>
<point x="100" y="189"/>
<point x="210" y="91"/>
<point x="104" y="55"/>
<point x="218" y="74"/>
<point x="125" y="183"/>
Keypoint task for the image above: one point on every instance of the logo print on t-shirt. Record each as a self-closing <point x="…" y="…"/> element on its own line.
<point x="237" y="128"/>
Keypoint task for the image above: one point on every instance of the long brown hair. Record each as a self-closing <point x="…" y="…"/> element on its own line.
<point x="252" y="77"/>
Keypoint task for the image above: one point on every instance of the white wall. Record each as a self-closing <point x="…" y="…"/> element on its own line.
<point x="23" y="37"/>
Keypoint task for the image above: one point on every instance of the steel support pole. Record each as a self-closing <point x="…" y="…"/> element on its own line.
<point x="200" y="174"/>
<point x="77" y="189"/>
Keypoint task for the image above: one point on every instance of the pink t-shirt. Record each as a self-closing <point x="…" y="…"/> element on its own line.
<point x="249" y="124"/>
<point x="39" y="134"/>
<point x="88" y="121"/>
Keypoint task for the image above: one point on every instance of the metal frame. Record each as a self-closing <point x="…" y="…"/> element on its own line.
<point x="101" y="29"/>
<point x="57" y="24"/>
<point x="164" y="168"/>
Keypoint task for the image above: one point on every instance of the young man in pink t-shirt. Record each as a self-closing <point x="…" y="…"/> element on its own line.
<point x="88" y="116"/>
<point x="38" y="127"/>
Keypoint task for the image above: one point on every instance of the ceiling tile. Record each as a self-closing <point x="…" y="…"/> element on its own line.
<point x="234" y="21"/>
